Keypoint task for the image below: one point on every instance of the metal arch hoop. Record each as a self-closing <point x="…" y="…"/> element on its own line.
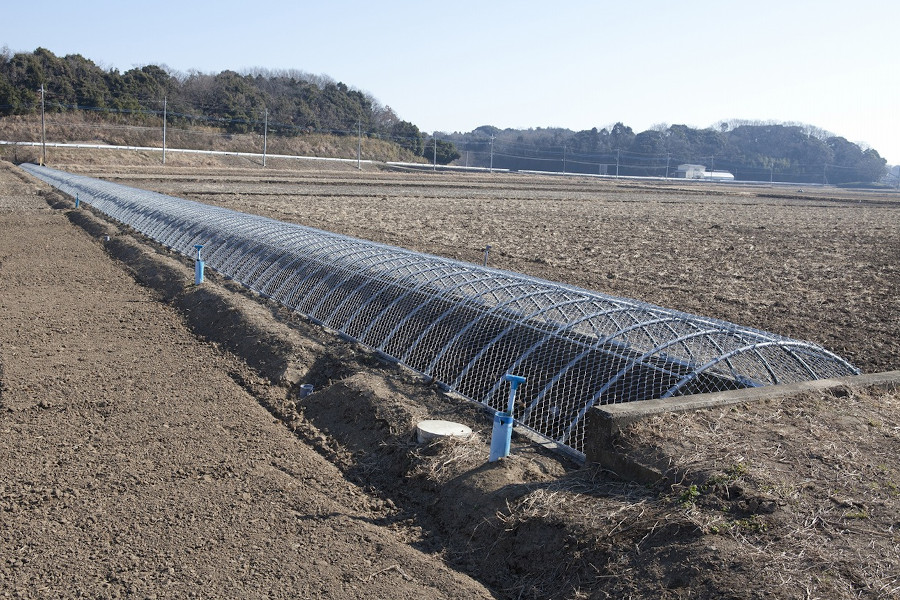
<point x="753" y="347"/>
<point x="383" y="289"/>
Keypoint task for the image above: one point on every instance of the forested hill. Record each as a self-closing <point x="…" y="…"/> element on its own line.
<point x="289" y="102"/>
<point x="292" y="103"/>
<point x="751" y="151"/>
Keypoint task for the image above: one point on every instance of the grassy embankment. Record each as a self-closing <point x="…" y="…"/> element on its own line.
<point x="89" y="128"/>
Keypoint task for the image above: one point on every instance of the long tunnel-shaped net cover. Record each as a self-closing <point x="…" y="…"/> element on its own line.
<point x="465" y="325"/>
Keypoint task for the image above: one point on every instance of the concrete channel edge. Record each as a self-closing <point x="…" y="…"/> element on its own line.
<point x="606" y="423"/>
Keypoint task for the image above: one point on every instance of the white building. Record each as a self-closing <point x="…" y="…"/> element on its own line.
<point x="690" y="171"/>
<point x="699" y="172"/>
<point x="717" y="176"/>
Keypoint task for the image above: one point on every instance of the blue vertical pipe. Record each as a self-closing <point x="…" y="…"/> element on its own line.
<point x="199" y="266"/>
<point x="501" y="435"/>
<point x="77" y="201"/>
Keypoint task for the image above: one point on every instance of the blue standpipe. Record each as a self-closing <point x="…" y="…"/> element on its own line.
<point x="501" y="435"/>
<point x="199" y="266"/>
<point x="77" y="201"/>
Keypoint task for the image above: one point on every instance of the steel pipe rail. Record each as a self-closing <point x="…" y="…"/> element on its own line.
<point x="465" y="325"/>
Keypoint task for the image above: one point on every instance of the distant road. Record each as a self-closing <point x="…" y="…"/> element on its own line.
<point x="392" y="164"/>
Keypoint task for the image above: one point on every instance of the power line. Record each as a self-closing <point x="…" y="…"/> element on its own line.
<point x="506" y="150"/>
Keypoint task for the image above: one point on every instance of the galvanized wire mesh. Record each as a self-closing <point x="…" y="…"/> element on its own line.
<point x="467" y="325"/>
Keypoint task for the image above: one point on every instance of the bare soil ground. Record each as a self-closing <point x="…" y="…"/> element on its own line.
<point x="821" y="264"/>
<point x="132" y="463"/>
<point x="796" y="498"/>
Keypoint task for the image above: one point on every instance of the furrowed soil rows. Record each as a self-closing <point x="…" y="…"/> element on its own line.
<point x="785" y="498"/>
<point x="132" y="464"/>
<point x="820" y="265"/>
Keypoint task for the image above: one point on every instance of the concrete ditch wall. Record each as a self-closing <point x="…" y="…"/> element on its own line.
<point x="606" y="424"/>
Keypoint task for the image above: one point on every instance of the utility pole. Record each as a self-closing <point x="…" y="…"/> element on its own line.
<point x="359" y="145"/>
<point x="667" y="165"/>
<point x="165" y="115"/>
<point x="43" y="131"/>
<point x="564" y="160"/>
<point x="492" y="153"/>
<point x="617" y="163"/>
<point x="434" y="140"/>
<point x="265" y="136"/>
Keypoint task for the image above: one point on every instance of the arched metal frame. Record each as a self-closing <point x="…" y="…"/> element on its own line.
<point x="466" y="325"/>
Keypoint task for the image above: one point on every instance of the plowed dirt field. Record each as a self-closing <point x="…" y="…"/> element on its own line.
<point x="820" y="264"/>
<point x="150" y="448"/>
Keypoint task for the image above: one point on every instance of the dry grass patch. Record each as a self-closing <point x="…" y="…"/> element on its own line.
<point x="806" y="486"/>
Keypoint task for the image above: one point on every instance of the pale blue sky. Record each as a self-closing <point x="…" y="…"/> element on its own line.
<point x="453" y="66"/>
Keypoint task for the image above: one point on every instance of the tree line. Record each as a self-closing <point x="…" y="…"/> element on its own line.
<point x="751" y="151"/>
<point x="287" y="103"/>
<point x="291" y="103"/>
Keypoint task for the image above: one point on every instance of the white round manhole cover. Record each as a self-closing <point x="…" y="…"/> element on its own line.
<point x="428" y="430"/>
